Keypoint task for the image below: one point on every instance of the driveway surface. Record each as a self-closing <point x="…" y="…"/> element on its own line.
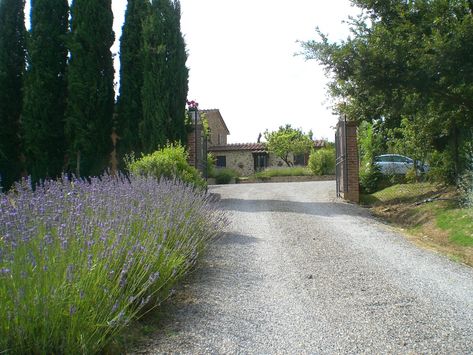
<point x="300" y="273"/>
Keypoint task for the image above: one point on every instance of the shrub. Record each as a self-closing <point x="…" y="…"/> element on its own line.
<point x="442" y="169"/>
<point x="210" y="165"/>
<point x="411" y="176"/>
<point x="322" y="161"/>
<point x="370" y="178"/>
<point x="292" y="171"/>
<point x="80" y="260"/>
<point x="169" y="162"/>
<point x="224" y="175"/>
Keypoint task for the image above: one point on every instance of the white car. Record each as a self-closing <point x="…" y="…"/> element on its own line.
<point x="396" y="164"/>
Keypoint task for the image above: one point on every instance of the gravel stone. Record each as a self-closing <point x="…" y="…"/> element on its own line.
<point x="299" y="272"/>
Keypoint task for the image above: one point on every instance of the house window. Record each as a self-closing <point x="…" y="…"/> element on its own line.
<point x="221" y="161"/>
<point x="219" y="139"/>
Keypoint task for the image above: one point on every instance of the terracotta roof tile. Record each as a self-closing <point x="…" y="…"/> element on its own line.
<point x="253" y="147"/>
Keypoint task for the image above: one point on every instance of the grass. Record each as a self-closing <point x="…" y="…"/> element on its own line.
<point x="431" y="215"/>
<point x="459" y="223"/>
<point x="289" y="171"/>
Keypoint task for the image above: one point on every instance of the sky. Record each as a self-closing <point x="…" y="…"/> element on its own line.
<point x="242" y="61"/>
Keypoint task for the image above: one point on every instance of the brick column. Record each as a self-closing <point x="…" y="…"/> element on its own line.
<point x="352" y="164"/>
<point x="191" y="148"/>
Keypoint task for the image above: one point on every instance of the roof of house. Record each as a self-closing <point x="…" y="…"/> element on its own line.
<point x="213" y="116"/>
<point x="253" y="147"/>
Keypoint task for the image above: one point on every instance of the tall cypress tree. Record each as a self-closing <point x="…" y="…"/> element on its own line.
<point x="165" y="76"/>
<point x="45" y="89"/>
<point x="12" y="67"/>
<point x="90" y="87"/>
<point x="153" y="92"/>
<point x="180" y="75"/>
<point x="130" y="106"/>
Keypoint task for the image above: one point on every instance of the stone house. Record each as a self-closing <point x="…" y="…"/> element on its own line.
<point x="244" y="158"/>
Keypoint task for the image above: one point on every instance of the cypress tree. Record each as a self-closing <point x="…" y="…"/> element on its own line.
<point x="180" y="75"/>
<point x="165" y="76"/>
<point x="130" y="106"/>
<point x="152" y="126"/>
<point x="90" y="87"/>
<point x="12" y="67"/>
<point x="45" y="89"/>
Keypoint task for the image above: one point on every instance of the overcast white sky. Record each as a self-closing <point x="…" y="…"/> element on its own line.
<point x="241" y="60"/>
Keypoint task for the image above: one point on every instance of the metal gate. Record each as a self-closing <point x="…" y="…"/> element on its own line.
<point x="341" y="162"/>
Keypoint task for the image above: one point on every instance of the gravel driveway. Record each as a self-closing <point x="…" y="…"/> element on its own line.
<point x="299" y="273"/>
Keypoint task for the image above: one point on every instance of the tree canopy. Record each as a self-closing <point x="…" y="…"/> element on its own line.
<point x="12" y="67"/>
<point x="90" y="87"/>
<point x="406" y="60"/>
<point x="45" y="89"/>
<point x="287" y="140"/>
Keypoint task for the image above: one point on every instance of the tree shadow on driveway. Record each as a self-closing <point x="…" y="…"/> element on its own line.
<point x="232" y="238"/>
<point x="320" y="208"/>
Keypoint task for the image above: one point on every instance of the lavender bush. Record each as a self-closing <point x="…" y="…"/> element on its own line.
<point x="79" y="259"/>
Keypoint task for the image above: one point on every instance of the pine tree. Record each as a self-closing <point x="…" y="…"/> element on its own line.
<point x="90" y="87"/>
<point x="165" y="76"/>
<point x="45" y="89"/>
<point x="12" y="67"/>
<point x="130" y="106"/>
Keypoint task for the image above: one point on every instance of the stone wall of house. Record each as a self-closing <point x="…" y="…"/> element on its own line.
<point x="240" y="161"/>
<point x="275" y="162"/>
<point x="216" y="128"/>
<point x="243" y="161"/>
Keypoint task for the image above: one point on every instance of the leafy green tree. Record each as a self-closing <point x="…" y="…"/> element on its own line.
<point x="130" y="106"/>
<point x="165" y="87"/>
<point x="90" y="87"/>
<point x="45" y="89"/>
<point x="12" y="67"/>
<point x="287" y="140"/>
<point x="406" y="59"/>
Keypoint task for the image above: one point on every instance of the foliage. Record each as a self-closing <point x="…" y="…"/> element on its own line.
<point x="370" y="178"/>
<point x="90" y="87"/>
<point x="407" y="59"/>
<point x="45" y="89"/>
<point x="292" y="171"/>
<point x="165" y="83"/>
<point x="169" y="162"/>
<point x="210" y="166"/>
<point x="130" y="105"/>
<point x="12" y="66"/>
<point x="322" y="161"/>
<point x="84" y="259"/>
<point x="287" y="140"/>
<point x="225" y="175"/>
<point x="370" y="142"/>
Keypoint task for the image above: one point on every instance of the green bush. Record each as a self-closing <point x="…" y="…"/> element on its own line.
<point x="169" y="162"/>
<point x="224" y="175"/>
<point x="292" y="171"/>
<point x="442" y="169"/>
<point x="322" y="161"/>
<point x="370" y="178"/>
<point x="210" y="165"/>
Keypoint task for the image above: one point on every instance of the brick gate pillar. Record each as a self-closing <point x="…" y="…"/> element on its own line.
<point x="352" y="192"/>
